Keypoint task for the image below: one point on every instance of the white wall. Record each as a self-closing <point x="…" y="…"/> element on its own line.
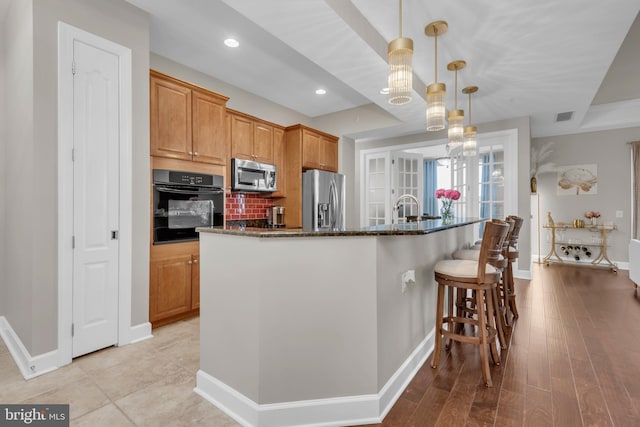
<point x="30" y="245"/>
<point x="611" y="153"/>
<point x="21" y="209"/>
<point x="3" y="167"/>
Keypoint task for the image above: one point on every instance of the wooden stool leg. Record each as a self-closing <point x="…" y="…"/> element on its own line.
<point x="512" y="293"/>
<point x="491" y="321"/>
<point x="505" y="295"/>
<point x="499" y="318"/>
<point x="482" y="334"/>
<point x="451" y="311"/>
<point x="439" y="315"/>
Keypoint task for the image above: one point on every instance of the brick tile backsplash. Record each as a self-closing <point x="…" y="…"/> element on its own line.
<point x="246" y="206"/>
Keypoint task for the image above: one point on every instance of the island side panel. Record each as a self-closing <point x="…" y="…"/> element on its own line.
<point x="406" y="319"/>
<point x="229" y="310"/>
<point x="318" y="318"/>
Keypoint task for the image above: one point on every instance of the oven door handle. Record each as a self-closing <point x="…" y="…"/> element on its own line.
<point x="179" y="191"/>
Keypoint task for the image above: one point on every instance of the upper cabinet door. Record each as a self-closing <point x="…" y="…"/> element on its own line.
<point x="170" y="112"/>
<point x="263" y="142"/>
<point x="310" y="150"/>
<point x="210" y="143"/>
<point x="241" y="137"/>
<point x="280" y="160"/>
<point x="329" y="154"/>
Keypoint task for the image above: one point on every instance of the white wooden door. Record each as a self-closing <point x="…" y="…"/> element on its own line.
<point x="408" y="179"/>
<point x="95" y="198"/>
<point x="377" y="208"/>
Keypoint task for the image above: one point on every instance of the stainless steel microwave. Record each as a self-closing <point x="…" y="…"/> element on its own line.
<point x="254" y="177"/>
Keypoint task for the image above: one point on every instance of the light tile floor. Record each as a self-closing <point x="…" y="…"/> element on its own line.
<point x="145" y="384"/>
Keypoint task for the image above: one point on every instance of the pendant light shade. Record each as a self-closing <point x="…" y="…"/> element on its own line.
<point x="470" y="146"/>
<point x="436" y="91"/>
<point x="400" y="58"/>
<point x="456" y="117"/>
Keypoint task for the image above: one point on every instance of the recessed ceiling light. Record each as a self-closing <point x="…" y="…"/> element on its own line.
<point x="384" y="91"/>
<point x="320" y="91"/>
<point x="232" y="42"/>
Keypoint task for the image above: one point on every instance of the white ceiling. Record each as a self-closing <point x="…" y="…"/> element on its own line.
<point x="529" y="58"/>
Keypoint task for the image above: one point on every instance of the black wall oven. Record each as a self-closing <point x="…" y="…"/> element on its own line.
<point x="183" y="201"/>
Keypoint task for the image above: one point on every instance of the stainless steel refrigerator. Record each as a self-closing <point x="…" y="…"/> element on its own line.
<point x="323" y="200"/>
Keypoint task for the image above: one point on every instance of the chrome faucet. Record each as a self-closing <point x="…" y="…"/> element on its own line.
<point x="396" y="206"/>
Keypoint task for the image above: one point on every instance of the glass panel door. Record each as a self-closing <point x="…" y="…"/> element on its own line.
<point x="377" y="208"/>
<point x="407" y="180"/>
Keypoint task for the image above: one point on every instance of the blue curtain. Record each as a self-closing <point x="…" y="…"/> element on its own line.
<point x="430" y="203"/>
<point x="484" y="190"/>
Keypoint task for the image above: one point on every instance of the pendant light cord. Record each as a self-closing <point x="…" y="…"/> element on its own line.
<point x="455" y="92"/>
<point x="400" y="19"/>
<point x="435" y="40"/>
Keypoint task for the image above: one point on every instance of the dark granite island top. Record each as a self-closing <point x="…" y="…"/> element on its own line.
<point x="411" y="228"/>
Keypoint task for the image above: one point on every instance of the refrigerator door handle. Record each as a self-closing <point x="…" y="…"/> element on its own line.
<point x="333" y="207"/>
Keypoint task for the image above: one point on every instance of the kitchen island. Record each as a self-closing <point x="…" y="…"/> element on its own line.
<point x="324" y="328"/>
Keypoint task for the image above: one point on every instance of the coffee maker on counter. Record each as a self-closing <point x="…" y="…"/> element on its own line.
<point x="275" y="217"/>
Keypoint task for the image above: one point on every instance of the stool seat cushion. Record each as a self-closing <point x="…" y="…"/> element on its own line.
<point x="462" y="268"/>
<point x="470" y="254"/>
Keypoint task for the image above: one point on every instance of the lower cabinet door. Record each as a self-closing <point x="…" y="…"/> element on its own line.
<point x="195" y="282"/>
<point x="170" y="287"/>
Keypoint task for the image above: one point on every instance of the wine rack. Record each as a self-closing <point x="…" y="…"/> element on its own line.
<point x="577" y="252"/>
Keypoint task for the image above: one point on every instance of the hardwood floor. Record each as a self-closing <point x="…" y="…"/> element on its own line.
<point x="573" y="360"/>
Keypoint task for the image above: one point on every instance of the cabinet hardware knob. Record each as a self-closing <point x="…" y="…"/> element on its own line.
<point x="195" y="153"/>
<point x="195" y="261"/>
<point x="191" y="153"/>
<point x="190" y="262"/>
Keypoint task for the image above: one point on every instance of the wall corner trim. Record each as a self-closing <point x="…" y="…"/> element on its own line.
<point x="349" y="410"/>
<point x="30" y="366"/>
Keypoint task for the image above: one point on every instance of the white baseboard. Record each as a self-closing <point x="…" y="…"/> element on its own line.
<point x="29" y="366"/>
<point x="340" y="411"/>
<point x="139" y="333"/>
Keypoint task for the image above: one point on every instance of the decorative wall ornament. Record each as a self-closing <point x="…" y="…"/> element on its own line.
<point x="577" y="180"/>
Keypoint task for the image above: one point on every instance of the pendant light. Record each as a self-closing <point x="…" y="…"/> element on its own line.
<point x="456" y="117"/>
<point x="470" y="145"/>
<point x="400" y="55"/>
<point x="436" y="91"/>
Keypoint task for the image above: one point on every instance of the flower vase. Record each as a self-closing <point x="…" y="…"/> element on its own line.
<point x="594" y="221"/>
<point x="446" y="212"/>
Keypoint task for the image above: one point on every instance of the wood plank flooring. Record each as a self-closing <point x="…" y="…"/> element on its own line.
<point x="573" y="360"/>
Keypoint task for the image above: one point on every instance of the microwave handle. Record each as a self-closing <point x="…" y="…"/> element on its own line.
<point x="178" y="191"/>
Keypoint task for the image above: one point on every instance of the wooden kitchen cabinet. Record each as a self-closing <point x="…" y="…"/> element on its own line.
<point x="174" y="288"/>
<point x="187" y="122"/>
<point x="319" y="151"/>
<point x="210" y="143"/>
<point x="251" y="138"/>
<point x="170" y="118"/>
<point x="195" y="282"/>
<point x="280" y="160"/>
<point x="306" y="148"/>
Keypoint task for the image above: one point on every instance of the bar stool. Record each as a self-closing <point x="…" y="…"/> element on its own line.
<point x="512" y="256"/>
<point x="479" y="276"/>
<point x="497" y="293"/>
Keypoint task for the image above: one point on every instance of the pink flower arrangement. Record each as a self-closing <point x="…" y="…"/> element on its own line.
<point x="592" y="214"/>
<point x="447" y="194"/>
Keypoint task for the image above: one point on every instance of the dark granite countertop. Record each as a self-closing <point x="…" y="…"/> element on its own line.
<point x="412" y="228"/>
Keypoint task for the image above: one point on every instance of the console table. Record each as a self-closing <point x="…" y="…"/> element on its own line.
<point x="580" y="249"/>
